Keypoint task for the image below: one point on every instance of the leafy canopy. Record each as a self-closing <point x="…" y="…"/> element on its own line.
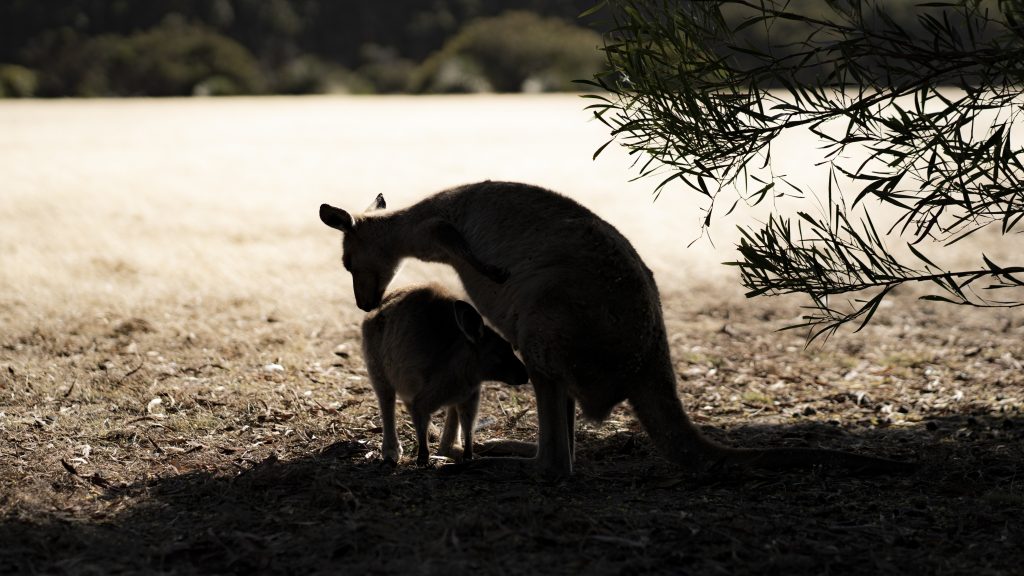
<point x="915" y="105"/>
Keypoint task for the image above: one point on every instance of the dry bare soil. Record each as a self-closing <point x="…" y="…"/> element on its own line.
<point x="222" y="439"/>
<point x="173" y="398"/>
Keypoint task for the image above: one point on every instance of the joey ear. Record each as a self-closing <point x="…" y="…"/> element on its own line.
<point x="377" y="204"/>
<point x="336" y="218"/>
<point x="469" y="321"/>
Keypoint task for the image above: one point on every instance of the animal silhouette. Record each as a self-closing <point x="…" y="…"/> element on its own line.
<point x="574" y="298"/>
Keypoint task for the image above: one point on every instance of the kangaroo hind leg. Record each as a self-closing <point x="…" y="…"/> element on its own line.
<point x="554" y="452"/>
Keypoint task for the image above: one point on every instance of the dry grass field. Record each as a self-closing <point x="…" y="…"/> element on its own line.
<point x="182" y="389"/>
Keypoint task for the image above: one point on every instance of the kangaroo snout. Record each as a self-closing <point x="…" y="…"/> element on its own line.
<point x="368" y="291"/>
<point x="367" y="305"/>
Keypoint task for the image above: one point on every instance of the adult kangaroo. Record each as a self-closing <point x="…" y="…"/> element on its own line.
<point x="573" y="296"/>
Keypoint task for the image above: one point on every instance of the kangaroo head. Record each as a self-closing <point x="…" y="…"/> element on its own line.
<point x="365" y="252"/>
<point x="497" y="360"/>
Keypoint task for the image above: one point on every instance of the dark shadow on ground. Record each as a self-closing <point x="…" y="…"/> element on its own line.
<point x="625" y="511"/>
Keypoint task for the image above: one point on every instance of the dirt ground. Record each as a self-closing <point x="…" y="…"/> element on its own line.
<point x="182" y="389"/>
<point x="233" y="441"/>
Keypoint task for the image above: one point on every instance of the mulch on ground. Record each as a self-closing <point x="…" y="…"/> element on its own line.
<point x="223" y="440"/>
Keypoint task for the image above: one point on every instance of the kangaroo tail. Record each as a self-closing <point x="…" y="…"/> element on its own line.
<point x="662" y="415"/>
<point x="790" y="458"/>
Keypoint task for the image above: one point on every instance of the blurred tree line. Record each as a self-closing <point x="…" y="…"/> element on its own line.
<point x="55" y="48"/>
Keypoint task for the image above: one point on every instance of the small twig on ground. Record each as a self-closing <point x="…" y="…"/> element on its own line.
<point x="608" y="539"/>
<point x="141" y="418"/>
<point x="515" y="418"/>
<point x="132" y="371"/>
<point x="159" y="450"/>
<point x="91" y="481"/>
<point x="71" y="469"/>
<point x="195" y="448"/>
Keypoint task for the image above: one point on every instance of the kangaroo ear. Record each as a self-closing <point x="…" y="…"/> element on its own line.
<point x="377" y="204"/>
<point x="469" y="321"/>
<point x="336" y="218"/>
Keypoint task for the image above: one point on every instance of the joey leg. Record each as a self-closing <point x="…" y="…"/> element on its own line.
<point x="467" y="419"/>
<point x="450" y="433"/>
<point x="391" y="449"/>
<point x="421" y="421"/>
